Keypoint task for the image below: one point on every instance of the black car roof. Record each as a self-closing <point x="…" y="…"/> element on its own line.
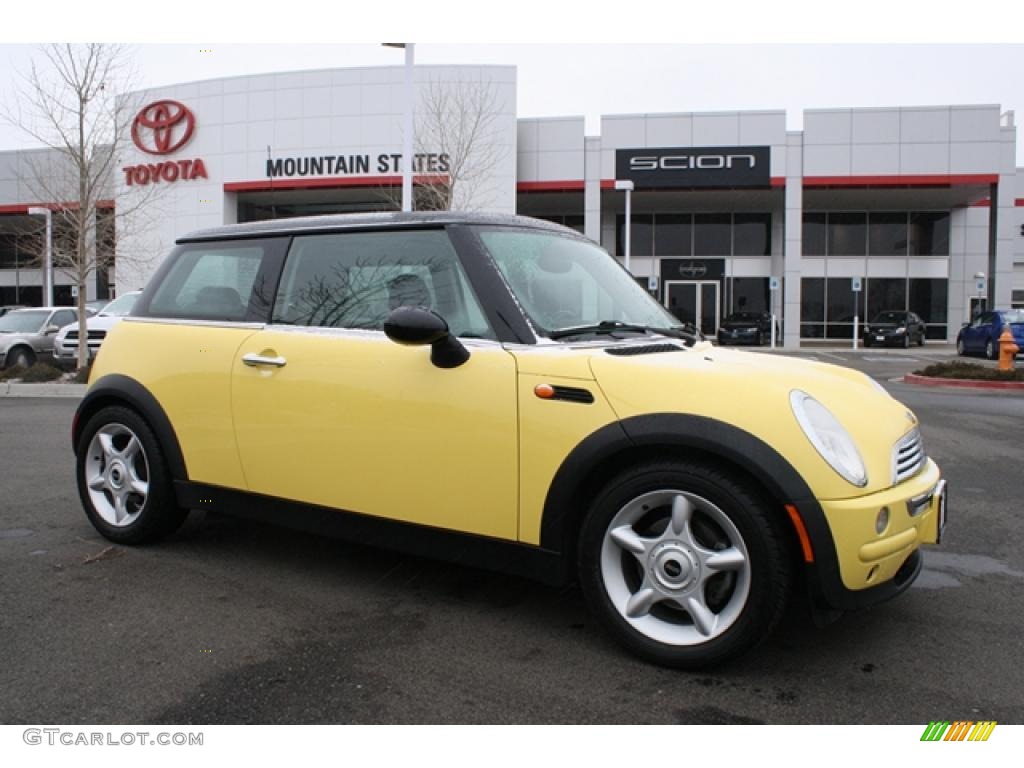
<point x="342" y="222"/>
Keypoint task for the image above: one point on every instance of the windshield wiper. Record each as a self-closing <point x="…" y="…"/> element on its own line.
<point x="605" y="326"/>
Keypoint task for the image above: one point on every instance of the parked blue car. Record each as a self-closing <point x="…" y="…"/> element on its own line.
<point x="981" y="335"/>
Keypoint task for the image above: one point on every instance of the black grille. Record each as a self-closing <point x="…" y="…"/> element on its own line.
<point x="908" y="457"/>
<point x="573" y="395"/>
<point x="647" y="349"/>
<point x="73" y="335"/>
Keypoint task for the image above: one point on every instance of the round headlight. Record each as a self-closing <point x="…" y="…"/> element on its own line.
<point x="829" y="438"/>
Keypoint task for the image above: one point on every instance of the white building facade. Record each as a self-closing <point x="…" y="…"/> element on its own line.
<point x="919" y="208"/>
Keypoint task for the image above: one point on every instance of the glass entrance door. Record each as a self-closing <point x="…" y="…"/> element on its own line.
<point x="695" y="302"/>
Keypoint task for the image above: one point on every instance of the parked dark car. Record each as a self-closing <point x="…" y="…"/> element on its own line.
<point x="896" y="327"/>
<point x="747" y="328"/>
<point x="981" y="335"/>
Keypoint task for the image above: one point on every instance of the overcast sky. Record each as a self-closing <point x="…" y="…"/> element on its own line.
<point x="591" y="79"/>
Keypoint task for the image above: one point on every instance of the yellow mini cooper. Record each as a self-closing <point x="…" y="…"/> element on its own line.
<point x="498" y="391"/>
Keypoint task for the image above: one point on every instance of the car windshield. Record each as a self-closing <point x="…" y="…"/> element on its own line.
<point x="23" y="321"/>
<point x="569" y="287"/>
<point x="121" y="306"/>
<point x="890" y="317"/>
<point x="743" y="316"/>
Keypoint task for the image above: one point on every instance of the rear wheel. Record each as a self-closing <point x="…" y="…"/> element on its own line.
<point x="20" y="357"/>
<point x="920" y="339"/>
<point x="682" y="564"/>
<point x="123" y="480"/>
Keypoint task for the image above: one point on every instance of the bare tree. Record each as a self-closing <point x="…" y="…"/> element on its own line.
<point x="458" y="146"/>
<point x="68" y="101"/>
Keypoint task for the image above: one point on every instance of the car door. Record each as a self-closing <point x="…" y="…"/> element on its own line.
<point x="972" y="334"/>
<point x="329" y="411"/>
<point x="58" y="319"/>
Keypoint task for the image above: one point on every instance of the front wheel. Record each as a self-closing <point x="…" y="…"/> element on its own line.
<point x="683" y="564"/>
<point x="990" y="349"/>
<point x="961" y="349"/>
<point x="20" y="358"/>
<point x="123" y="481"/>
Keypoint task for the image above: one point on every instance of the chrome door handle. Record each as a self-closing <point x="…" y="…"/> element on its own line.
<point x="253" y="359"/>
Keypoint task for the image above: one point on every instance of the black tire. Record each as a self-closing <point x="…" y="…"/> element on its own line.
<point x="991" y="351"/>
<point x="961" y="348"/>
<point x="151" y="517"/>
<point x="920" y="339"/>
<point x="906" y="340"/>
<point x="20" y="357"/>
<point x="867" y="341"/>
<point x="749" y="607"/>
<point x="760" y="339"/>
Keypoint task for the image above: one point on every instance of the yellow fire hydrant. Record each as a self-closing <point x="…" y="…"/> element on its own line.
<point x="1007" y="349"/>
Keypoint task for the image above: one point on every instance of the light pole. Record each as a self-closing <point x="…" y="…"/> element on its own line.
<point x="46" y="212"/>
<point x="627" y="186"/>
<point x="407" y="142"/>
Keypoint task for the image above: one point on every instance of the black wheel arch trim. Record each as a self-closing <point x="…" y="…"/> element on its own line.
<point x="117" y="389"/>
<point x="563" y="515"/>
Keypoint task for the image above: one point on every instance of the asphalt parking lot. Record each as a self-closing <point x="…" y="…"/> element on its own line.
<point x="234" y="622"/>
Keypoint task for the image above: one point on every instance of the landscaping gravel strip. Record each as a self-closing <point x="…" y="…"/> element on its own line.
<point x="17" y="389"/>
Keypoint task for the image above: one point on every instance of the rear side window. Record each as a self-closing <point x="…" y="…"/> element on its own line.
<point x="212" y="281"/>
<point x="354" y="280"/>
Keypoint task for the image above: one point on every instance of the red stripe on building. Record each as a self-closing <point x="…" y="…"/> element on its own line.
<point x="901" y="181"/>
<point x="576" y="185"/>
<point x="23" y="207"/>
<point x="331" y="182"/>
<point x="566" y="185"/>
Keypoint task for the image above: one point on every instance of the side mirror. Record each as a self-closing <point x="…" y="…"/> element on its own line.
<point x="415" y="326"/>
<point x="50" y="330"/>
<point x="964" y="325"/>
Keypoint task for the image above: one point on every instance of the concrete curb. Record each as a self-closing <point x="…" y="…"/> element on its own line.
<point x="929" y="381"/>
<point x="18" y="389"/>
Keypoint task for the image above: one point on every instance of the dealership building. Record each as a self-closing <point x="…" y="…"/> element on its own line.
<point x="863" y="210"/>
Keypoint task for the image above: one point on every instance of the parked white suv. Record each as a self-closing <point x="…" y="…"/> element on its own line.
<point x="65" y="346"/>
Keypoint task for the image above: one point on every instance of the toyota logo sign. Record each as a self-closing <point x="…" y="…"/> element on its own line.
<point x="163" y="127"/>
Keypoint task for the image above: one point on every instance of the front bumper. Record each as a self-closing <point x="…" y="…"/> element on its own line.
<point x="885" y="337"/>
<point x="747" y="336"/>
<point x="867" y="558"/>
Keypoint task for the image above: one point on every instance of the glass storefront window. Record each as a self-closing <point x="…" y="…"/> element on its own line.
<point x="847" y="234"/>
<point x="929" y="233"/>
<point x="929" y="298"/>
<point x="751" y="234"/>
<point x="841" y="304"/>
<point x="814" y="234"/>
<point x="749" y="294"/>
<point x="887" y="234"/>
<point x="673" y="234"/>
<point x="641" y="235"/>
<point x="712" y="234"/>
<point x="812" y="307"/>
<point x="886" y="293"/>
